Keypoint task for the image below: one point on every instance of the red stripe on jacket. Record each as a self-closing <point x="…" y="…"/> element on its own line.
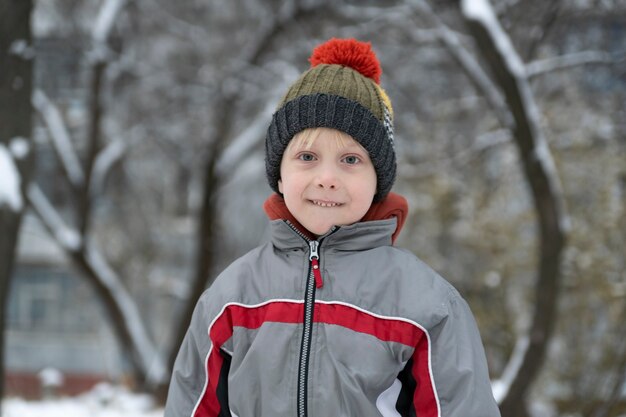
<point x="283" y="311"/>
<point x="424" y="399"/>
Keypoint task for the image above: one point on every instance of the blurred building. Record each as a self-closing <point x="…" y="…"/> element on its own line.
<point x="53" y="322"/>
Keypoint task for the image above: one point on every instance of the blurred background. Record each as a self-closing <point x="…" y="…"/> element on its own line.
<point x="131" y="173"/>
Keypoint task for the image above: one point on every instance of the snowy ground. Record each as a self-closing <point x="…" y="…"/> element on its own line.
<point x="102" y="401"/>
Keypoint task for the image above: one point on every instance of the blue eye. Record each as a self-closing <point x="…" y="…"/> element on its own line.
<point x="352" y="159"/>
<point x="306" y="157"/>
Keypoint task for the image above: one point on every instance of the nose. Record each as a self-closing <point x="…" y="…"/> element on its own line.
<point x="327" y="178"/>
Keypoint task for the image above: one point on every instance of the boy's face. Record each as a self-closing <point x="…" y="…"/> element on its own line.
<point x="327" y="184"/>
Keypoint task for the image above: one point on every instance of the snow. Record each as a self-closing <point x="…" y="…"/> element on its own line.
<point x="103" y="401"/>
<point x="567" y="61"/>
<point x="501" y="386"/>
<point x="106" y="18"/>
<point x="151" y="359"/>
<point x="481" y="11"/>
<point x="67" y="237"/>
<point x="242" y="145"/>
<point x="468" y="63"/>
<point x="105" y="160"/>
<point x="60" y="137"/>
<point x="10" y="180"/>
<point x="21" y="48"/>
<point x="50" y="377"/>
<point x="71" y="240"/>
<point x="19" y="147"/>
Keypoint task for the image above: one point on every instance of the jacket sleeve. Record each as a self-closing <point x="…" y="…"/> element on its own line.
<point x="198" y="385"/>
<point x="459" y="366"/>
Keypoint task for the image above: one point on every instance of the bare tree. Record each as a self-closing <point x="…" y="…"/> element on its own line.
<point x="85" y="179"/>
<point x="16" y="163"/>
<point x="538" y="165"/>
<point x="511" y="99"/>
<point x="194" y="100"/>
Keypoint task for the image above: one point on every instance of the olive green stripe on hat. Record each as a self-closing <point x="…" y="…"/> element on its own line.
<point x="341" y="81"/>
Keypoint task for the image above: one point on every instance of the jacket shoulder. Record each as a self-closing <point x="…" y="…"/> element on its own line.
<point x="420" y="292"/>
<point x="410" y="267"/>
<point x="231" y="285"/>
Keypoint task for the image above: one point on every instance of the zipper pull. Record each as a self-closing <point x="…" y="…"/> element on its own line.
<point x="315" y="266"/>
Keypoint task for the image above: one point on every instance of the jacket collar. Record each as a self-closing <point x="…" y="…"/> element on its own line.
<point x="355" y="237"/>
<point x="388" y="215"/>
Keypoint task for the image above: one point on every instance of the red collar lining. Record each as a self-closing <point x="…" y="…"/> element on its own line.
<point x="394" y="205"/>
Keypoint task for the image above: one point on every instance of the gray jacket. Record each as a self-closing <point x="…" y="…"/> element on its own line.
<point x="345" y="326"/>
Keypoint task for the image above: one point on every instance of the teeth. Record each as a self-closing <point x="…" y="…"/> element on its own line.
<point x="323" y="204"/>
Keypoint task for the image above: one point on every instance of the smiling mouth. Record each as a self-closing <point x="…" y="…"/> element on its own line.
<point x="321" y="203"/>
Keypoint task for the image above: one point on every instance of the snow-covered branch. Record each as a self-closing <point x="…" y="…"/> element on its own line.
<point x="289" y="12"/>
<point x="362" y="12"/>
<point x="105" y="160"/>
<point x="85" y="252"/>
<point x="21" y="48"/>
<point x="61" y="141"/>
<point x="510" y="75"/>
<point x="481" y="12"/>
<point x="175" y="25"/>
<point x="10" y="181"/>
<point x="567" y="61"/>
<point x="19" y="147"/>
<point x="470" y="66"/>
<point x="502" y="385"/>
<point x="68" y="238"/>
<point x="365" y="28"/>
<point x="241" y="146"/>
<point x="148" y="355"/>
<point x="107" y="16"/>
<point x="434" y="165"/>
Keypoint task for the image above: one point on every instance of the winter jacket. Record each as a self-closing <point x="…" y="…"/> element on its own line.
<point x="345" y="325"/>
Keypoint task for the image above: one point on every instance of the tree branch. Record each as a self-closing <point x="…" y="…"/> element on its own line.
<point x="61" y="142"/>
<point x="124" y="312"/>
<point x="148" y="366"/>
<point x="540" y="172"/>
<point x="104" y="162"/>
<point x="98" y="57"/>
<point x="544" y="66"/>
<point x="470" y="66"/>
<point x="109" y="11"/>
<point x="433" y="165"/>
<point x="247" y="140"/>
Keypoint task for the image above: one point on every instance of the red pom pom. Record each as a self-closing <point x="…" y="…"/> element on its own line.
<point x="350" y="53"/>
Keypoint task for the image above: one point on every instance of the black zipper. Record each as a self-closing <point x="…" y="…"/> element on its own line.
<point x="309" y="303"/>
<point x="305" y="346"/>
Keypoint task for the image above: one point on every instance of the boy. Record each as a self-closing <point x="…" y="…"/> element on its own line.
<point x="329" y="319"/>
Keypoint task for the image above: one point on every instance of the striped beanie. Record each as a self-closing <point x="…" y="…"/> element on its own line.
<point x="341" y="91"/>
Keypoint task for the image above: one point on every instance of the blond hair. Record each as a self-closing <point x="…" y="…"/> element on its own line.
<point x="307" y="137"/>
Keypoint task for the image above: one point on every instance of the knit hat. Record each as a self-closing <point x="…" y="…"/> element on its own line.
<point x="341" y="91"/>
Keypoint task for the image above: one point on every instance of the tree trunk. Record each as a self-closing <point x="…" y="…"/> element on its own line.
<point x="15" y="136"/>
<point x="508" y="72"/>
